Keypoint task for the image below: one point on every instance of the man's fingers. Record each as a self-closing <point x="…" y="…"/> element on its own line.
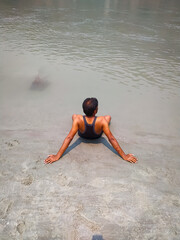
<point x="48" y="160"/>
<point x="132" y="155"/>
<point x="132" y="160"/>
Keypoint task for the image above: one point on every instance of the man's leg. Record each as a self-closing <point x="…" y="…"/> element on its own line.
<point x="108" y="118"/>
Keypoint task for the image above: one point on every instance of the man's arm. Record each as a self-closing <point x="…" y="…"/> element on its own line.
<point x="67" y="140"/>
<point x="115" y="144"/>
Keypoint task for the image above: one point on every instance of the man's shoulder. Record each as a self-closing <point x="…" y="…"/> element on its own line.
<point x="101" y="119"/>
<point x="77" y="117"/>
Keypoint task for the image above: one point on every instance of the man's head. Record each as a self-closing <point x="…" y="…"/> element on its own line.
<point x="89" y="106"/>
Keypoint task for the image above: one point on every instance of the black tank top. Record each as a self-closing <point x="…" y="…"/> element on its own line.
<point x="89" y="131"/>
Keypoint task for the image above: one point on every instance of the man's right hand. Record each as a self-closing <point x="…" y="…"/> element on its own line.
<point x="130" y="158"/>
<point x="51" y="159"/>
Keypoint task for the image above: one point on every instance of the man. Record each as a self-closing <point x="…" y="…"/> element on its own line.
<point x="90" y="127"/>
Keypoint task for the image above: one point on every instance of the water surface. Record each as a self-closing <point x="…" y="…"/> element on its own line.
<point x="125" y="53"/>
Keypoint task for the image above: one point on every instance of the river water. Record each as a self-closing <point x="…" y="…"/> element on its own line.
<point x="125" y="53"/>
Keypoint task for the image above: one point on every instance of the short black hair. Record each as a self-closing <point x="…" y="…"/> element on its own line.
<point x="89" y="106"/>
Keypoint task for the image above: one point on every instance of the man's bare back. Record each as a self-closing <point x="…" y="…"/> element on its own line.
<point x="98" y="124"/>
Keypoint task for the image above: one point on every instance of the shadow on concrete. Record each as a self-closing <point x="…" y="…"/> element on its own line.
<point x="87" y="141"/>
<point x="97" y="237"/>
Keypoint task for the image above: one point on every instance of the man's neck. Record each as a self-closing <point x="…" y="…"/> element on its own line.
<point x="91" y="116"/>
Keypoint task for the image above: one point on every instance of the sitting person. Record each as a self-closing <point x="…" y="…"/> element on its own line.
<point x="90" y="127"/>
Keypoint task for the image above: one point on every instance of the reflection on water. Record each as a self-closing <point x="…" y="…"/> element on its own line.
<point x="39" y="83"/>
